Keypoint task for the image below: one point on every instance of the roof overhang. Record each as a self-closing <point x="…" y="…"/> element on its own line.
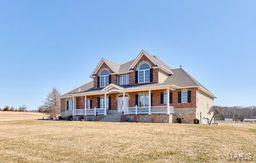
<point x="112" y="88"/>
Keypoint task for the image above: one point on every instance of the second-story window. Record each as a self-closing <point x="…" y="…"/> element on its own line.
<point x="144" y="73"/>
<point x="124" y="79"/>
<point x="104" y="78"/>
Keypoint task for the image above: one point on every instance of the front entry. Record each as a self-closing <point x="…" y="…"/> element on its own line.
<point x="121" y="103"/>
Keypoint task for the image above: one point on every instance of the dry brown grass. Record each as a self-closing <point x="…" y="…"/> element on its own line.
<point x="49" y="141"/>
<point x="10" y="116"/>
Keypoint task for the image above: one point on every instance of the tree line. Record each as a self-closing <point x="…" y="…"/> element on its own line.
<point x="236" y="113"/>
<point x="21" y="108"/>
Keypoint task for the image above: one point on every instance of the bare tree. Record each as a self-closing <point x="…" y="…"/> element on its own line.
<point x="52" y="102"/>
<point x="22" y="108"/>
<point x="216" y="111"/>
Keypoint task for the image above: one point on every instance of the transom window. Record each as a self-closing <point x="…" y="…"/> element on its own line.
<point x="184" y="96"/>
<point x="144" y="73"/>
<point x="104" y="78"/>
<point x="124" y="79"/>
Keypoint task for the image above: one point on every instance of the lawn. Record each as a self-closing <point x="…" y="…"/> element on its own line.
<point x="63" y="141"/>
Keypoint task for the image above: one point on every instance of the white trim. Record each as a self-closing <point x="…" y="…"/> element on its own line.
<point x="142" y="52"/>
<point x="131" y="89"/>
<point x="111" y="86"/>
<point x="103" y="60"/>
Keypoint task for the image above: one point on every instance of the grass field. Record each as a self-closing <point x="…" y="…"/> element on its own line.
<point x="10" y="116"/>
<point x="60" y="141"/>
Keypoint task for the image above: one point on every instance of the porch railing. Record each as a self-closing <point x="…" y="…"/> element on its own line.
<point x="128" y="111"/>
<point x="146" y="110"/>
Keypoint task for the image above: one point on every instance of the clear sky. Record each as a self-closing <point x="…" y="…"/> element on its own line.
<point x="58" y="43"/>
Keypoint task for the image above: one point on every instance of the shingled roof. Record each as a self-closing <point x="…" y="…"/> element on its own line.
<point x="179" y="78"/>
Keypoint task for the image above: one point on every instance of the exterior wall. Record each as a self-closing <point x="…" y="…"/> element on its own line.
<point x="204" y="104"/>
<point x="95" y="100"/>
<point x="63" y="104"/>
<point x="80" y="102"/>
<point x="184" y="105"/>
<point x="162" y="76"/>
<point x="156" y="100"/>
<point x="187" y="115"/>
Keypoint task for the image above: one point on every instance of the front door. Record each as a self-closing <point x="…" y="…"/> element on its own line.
<point x="122" y="103"/>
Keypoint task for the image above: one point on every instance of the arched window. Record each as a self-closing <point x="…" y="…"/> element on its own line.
<point x="104" y="78"/>
<point x="144" y="73"/>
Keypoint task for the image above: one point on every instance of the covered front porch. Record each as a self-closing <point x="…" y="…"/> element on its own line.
<point x="126" y="101"/>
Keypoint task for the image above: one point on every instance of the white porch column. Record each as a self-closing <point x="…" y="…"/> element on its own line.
<point x="168" y="100"/>
<point x="74" y="106"/>
<point x="149" y="104"/>
<point x="85" y="104"/>
<point x="105" y="102"/>
<point x="123" y="102"/>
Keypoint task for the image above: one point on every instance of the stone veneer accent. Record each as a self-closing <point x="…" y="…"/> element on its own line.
<point x="155" y="118"/>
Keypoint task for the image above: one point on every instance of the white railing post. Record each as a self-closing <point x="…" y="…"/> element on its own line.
<point x="85" y="105"/>
<point x="105" y="102"/>
<point x="168" y="101"/>
<point x="123" y="101"/>
<point x="149" y="105"/>
<point x="74" y="106"/>
<point x="136" y="110"/>
<point x="95" y="111"/>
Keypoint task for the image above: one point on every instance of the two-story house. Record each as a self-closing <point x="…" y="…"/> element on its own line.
<point x="144" y="89"/>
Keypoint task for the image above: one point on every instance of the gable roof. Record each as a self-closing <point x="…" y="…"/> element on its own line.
<point x="155" y="60"/>
<point x="112" y="65"/>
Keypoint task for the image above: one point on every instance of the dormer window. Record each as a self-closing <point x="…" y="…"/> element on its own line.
<point x="104" y="78"/>
<point x="144" y="73"/>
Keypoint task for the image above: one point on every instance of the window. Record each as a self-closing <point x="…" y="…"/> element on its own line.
<point x="69" y="105"/>
<point x="88" y="104"/>
<point x="143" y="100"/>
<point x="144" y="73"/>
<point x="124" y="79"/>
<point x="184" y="97"/>
<point x="165" y="97"/>
<point x="104" y="78"/>
<point x="102" y="102"/>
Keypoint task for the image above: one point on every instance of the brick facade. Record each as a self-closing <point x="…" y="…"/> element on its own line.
<point x="80" y="102"/>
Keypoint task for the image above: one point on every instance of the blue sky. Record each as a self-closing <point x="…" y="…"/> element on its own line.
<point x="58" y="43"/>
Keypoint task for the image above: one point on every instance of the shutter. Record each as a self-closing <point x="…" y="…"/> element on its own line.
<point x="136" y="77"/>
<point x="109" y="80"/>
<point x="151" y="75"/>
<point x="98" y="102"/>
<point x="98" y="81"/>
<point x="109" y="103"/>
<point x="151" y="99"/>
<point x="137" y="99"/>
<point x="170" y="99"/>
<point x="179" y="97"/>
<point x="67" y="105"/>
<point x="90" y="103"/>
<point x="189" y="96"/>
<point x="162" y="98"/>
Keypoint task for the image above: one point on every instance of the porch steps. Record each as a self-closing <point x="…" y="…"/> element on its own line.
<point x="113" y="116"/>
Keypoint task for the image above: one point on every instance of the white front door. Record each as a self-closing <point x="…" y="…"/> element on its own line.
<point x="122" y="103"/>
